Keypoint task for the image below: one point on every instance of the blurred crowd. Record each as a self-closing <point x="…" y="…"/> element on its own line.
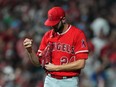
<point x="25" y="18"/>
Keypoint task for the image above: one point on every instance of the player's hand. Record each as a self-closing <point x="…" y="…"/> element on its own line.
<point x="51" y="67"/>
<point x="28" y="44"/>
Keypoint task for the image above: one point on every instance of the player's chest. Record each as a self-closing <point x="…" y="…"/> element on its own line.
<point x="63" y="44"/>
<point x="64" y="39"/>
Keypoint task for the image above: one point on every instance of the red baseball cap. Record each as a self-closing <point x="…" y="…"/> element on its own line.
<point x="55" y="14"/>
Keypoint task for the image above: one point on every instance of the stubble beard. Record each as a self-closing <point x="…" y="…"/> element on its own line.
<point x="59" y="28"/>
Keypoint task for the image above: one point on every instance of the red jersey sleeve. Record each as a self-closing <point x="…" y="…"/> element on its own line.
<point x="43" y="43"/>
<point x="81" y="47"/>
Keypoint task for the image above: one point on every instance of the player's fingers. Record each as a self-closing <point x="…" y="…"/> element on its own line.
<point x="27" y="43"/>
<point x="27" y="40"/>
<point x="28" y="46"/>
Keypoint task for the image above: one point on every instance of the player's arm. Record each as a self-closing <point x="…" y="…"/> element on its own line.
<point x="76" y="65"/>
<point x="79" y="64"/>
<point x="32" y="55"/>
<point x="33" y="58"/>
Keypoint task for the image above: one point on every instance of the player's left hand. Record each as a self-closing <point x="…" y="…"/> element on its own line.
<point x="51" y="67"/>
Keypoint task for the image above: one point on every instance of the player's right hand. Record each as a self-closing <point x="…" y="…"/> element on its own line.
<point x="27" y="43"/>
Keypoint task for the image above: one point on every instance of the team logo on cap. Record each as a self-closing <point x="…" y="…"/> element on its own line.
<point x="53" y="17"/>
<point x="50" y="17"/>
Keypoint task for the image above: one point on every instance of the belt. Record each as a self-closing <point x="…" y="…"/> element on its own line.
<point x="60" y="77"/>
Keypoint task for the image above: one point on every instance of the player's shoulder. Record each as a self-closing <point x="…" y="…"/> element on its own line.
<point x="76" y="29"/>
<point x="48" y="33"/>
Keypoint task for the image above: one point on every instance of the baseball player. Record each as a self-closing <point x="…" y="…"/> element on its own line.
<point x="62" y="52"/>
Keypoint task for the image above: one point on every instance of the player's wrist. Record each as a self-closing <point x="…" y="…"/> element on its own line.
<point x="29" y="50"/>
<point x="57" y="68"/>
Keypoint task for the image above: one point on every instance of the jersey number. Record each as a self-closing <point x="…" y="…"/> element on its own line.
<point x="65" y="60"/>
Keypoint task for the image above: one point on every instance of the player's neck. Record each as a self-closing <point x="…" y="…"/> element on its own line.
<point x="65" y="27"/>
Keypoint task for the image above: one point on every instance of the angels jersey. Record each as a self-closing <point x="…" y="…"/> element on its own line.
<point x="68" y="46"/>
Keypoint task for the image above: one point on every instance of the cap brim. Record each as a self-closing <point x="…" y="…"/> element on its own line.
<point x="50" y="23"/>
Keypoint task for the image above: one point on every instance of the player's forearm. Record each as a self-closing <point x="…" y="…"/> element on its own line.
<point x="33" y="58"/>
<point x="79" y="64"/>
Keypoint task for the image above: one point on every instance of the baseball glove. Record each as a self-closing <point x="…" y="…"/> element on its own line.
<point x="46" y="55"/>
